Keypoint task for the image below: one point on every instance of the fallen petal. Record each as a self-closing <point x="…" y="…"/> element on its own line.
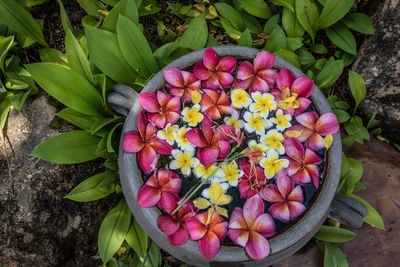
<point x="253" y="208"/>
<point x="280" y="211"/>
<point x="327" y="124"/>
<point x="264" y="225"/>
<point x="245" y="71"/>
<point x="147" y="158"/>
<point x="210" y="59"/>
<point x="239" y="236"/>
<point x="264" y="60"/>
<point x="180" y="237"/>
<point x="257" y="247"/>
<point x="167" y="224"/>
<point x="149" y="102"/>
<point x="303" y="86"/>
<point x="226" y="64"/>
<point x="295" y="209"/>
<point x="284" y="79"/>
<point x="132" y="142"/>
<point x="174" y="77"/>
<point x="148" y="196"/>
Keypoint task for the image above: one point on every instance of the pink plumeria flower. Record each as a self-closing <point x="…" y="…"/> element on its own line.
<point x="292" y="94"/>
<point x="252" y="180"/>
<point x="288" y="197"/>
<point x="302" y="163"/>
<point x="161" y="188"/>
<point x="213" y="104"/>
<point x="181" y="83"/>
<point x="174" y="225"/>
<point x="313" y="129"/>
<point x="259" y="77"/>
<point x="249" y="227"/>
<point x="215" y="73"/>
<point x="210" y="232"/>
<point x="162" y="108"/>
<point x="146" y="144"/>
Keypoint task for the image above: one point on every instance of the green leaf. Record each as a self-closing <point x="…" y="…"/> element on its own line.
<point x="68" y="87"/>
<point x="113" y="230"/>
<point x="245" y="39"/>
<point x="334" y="234"/>
<point x="53" y="56"/>
<point x="277" y="40"/>
<point x="294" y="43"/>
<point x="334" y="256"/>
<point x="91" y="6"/>
<point x="330" y="73"/>
<point x="333" y="11"/>
<point x="288" y="56"/>
<point x="107" y="56"/>
<point x="359" y="22"/>
<point x="110" y="134"/>
<point x="64" y="17"/>
<point x="251" y="23"/>
<point x="342" y="105"/>
<point x="229" y="29"/>
<point x="5" y="45"/>
<point x="355" y="125"/>
<point x="271" y="24"/>
<point x="94" y="188"/>
<point x="137" y="239"/>
<point x="342" y="38"/>
<point x="329" y="261"/>
<point x="148" y="7"/>
<point x="101" y="123"/>
<point x="211" y="41"/>
<point x="357" y="87"/>
<point x="19" y="99"/>
<point x="359" y="186"/>
<point x="285" y="3"/>
<point x="341" y="115"/>
<point x="319" y="49"/>
<point x="230" y="14"/>
<point x="305" y="57"/>
<point x="350" y="139"/>
<point x="19" y="20"/>
<point x="16" y="84"/>
<point x="372" y="122"/>
<point x="127" y="8"/>
<point x="256" y="8"/>
<point x="291" y="24"/>
<point x="177" y="53"/>
<point x="308" y="16"/>
<point x="352" y="169"/>
<point x="196" y="35"/>
<point x="81" y="120"/>
<point x="68" y="148"/>
<point x="373" y="218"/>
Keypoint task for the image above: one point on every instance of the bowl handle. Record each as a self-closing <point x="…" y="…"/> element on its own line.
<point x="347" y="211"/>
<point x="122" y="98"/>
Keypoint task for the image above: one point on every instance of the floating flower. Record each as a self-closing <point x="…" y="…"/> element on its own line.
<point x="174" y="225"/>
<point x="263" y="103"/>
<point x="192" y="115"/>
<point x="256" y="123"/>
<point x="234" y="120"/>
<point x="146" y="144"/>
<point x="202" y="172"/>
<point x="215" y="73"/>
<point x="273" y="140"/>
<point x="282" y="121"/>
<point x="168" y="133"/>
<point x="181" y="83"/>
<point x="210" y="231"/>
<point x="231" y="173"/>
<point x="249" y="227"/>
<point x="254" y="147"/>
<point x="217" y="198"/>
<point x="272" y="164"/>
<point x="162" y="108"/>
<point x="240" y="98"/>
<point x="213" y="104"/>
<point x="161" y="188"/>
<point x="292" y="95"/>
<point x="302" y="164"/>
<point x="289" y="199"/>
<point x="260" y="77"/>
<point x="313" y="128"/>
<point x="181" y="140"/>
<point x="183" y="160"/>
<point x="252" y="180"/>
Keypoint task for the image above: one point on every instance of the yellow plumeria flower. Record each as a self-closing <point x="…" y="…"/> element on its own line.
<point x="202" y="172"/>
<point x="234" y="121"/>
<point x="272" y="164"/>
<point x="263" y="103"/>
<point x="216" y="198"/>
<point x="183" y="160"/>
<point x="273" y="140"/>
<point x="231" y="173"/>
<point x="256" y="123"/>
<point x="192" y="115"/>
<point x="168" y="133"/>
<point x="254" y="146"/>
<point x="240" y="98"/>
<point x="182" y="141"/>
<point x="282" y="121"/>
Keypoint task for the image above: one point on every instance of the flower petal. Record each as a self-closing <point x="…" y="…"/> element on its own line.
<point x="268" y="75"/>
<point x="201" y="72"/>
<point x="195" y="228"/>
<point x="149" y="102"/>
<point x="253" y="208"/>
<point x="244" y="84"/>
<point x="226" y="64"/>
<point x="264" y="225"/>
<point x="301" y="177"/>
<point x="257" y="247"/>
<point x="271" y="193"/>
<point x="294" y="149"/>
<point x="209" y="245"/>
<point x="304" y="103"/>
<point x="142" y="124"/>
<point x="171" y="117"/>
<point x="161" y="147"/>
<point x="174" y="77"/>
<point x="148" y="196"/>
<point x="237" y="220"/>
<point x="303" y="86"/>
<point x="208" y="155"/>
<point x="196" y="137"/>
<point x="224" y="149"/>
<point x="305" y="132"/>
<point x="213" y="113"/>
<point x="308" y="119"/>
<point x="280" y="211"/>
<point x="180" y="237"/>
<point x="167" y="224"/>
<point x="314" y="173"/>
<point x="327" y="124"/>
<point x="132" y="142"/>
<point x="311" y="157"/>
<point x="245" y="71"/>
<point x="210" y="59"/>
<point x="284" y="79"/>
<point x="225" y="79"/>
<point x="168" y="201"/>
<point x="296" y="194"/>
<point x="189" y="78"/>
<point x="147" y="158"/>
<point x="285" y="185"/>
<point x="174" y="104"/>
<point x="239" y="236"/>
<point x="295" y="209"/>
<point x="220" y="229"/>
<point x="158" y="119"/>
<point x="315" y="142"/>
<point x="260" y="85"/>
<point x="264" y="60"/>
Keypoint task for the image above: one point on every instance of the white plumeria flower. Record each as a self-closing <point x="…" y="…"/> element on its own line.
<point x="254" y="146"/>
<point x="263" y="103"/>
<point x="182" y="141"/>
<point x="206" y="192"/>
<point x="240" y="98"/>
<point x="202" y="172"/>
<point x="256" y="123"/>
<point x="183" y="160"/>
<point x="272" y="164"/>
<point x="192" y="115"/>
<point x="168" y="133"/>
<point x="282" y="121"/>
<point x="234" y="121"/>
<point x="273" y="140"/>
<point x="232" y="173"/>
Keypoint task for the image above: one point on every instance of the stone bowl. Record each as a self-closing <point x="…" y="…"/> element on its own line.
<point x="282" y="245"/>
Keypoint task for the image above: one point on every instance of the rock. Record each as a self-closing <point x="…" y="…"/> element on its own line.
<point x="378" y="63"/>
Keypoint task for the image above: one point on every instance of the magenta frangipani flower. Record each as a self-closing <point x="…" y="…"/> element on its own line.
<point x="302" y="163"/>
<point x="146" y="144"/>
<point x="252" y="180"/>
<point x="174" y="225"/>
<point x="288" y="197"/>
<point x="162" y="108"/>
<point x="210" y="232"/>
<point x="215" y="73"/>
<point x="213" y="104"/>
<point x="292" y="94"/>
<point x="259" y="77"/>
<point x="161" y="188"/>
<point x="181" y="83"/>
<point x="249" y="227"/>
<point x="313" y="129"/>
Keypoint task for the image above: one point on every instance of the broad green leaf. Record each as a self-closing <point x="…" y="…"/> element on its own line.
<point x="359" y="22"/>
<point x="68" y="87"/>
<point x="110" y="148"/>
<point x="68" y="148"/>
<point x="5" y="45"/>
<point x="341" y="115"/>
<point x="91" y="6"/>
<point x="245" y="39"/>
<point x="352" y="169"/>
<point x="329" y="261"/>
<point x="319" y="49"/>
<point x="94" y="188"/>
<point x="350" y="139"/>
<point x="196" y="35"/>
<point x="373" y="218"/>
<point x="107" y="56"/>
<point x="359" y="186"/>
<point x="127" y="8"/>
<point x="342" y="105"/>
<point x="333" y="11"/>
<point x="230" y="30"/>
<point x="137" y="239"/>
<point x="305" y="57"/>
<point x="102" y="122"/>
<point x="334" y="234"/>
<point x="81" y="120"/>
<point x="330" y="73"/>
<point x="64" y="17"/>
<point x="285" y="3"/>
<point x="357" y="87"/>
<point x="19" y="99"/>
<point x="348" y="59"/>
<point x="211" y="41"/>
<point x="147" y="7"/>
<point x="334" y="256"/>
<point x="372" y="122"/>
<point x="113" y="230"/>
<point x="291" y="24"/>
<point x="19" y="20"/>
<point x="5" y="105"/>
<point x="31" y="3"/>
<point x="16" y="84"/>
<point x="256" y="8"/>
<point x="354" y="125"/>
<point x="90" y="21"/>
<point x="294" y="43"/>
<point x="53" y="56"/>
<point x="308" y="16"/>
<point x="288" y="56"/>
<point x="230" y="14"/>
<point x="342" y="38"/>
<point x="251" y="23"/>
<point x="271" y="24"/>
<point x="177" y="53"/>
<point x="277" y="40"/>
